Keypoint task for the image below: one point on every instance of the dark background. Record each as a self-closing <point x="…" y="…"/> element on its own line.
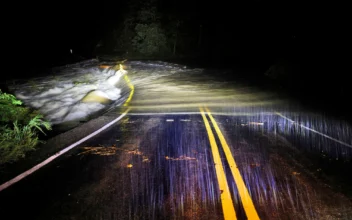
<point x="251" y="31"/>
<point x="310" y="38"/>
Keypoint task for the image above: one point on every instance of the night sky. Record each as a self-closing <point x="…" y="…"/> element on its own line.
<point x="254" y="29"/>
<point x="253" y="33"/>
<point x="45" y="32"/>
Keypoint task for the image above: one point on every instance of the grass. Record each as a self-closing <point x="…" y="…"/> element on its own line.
<point x="19" y="127"/>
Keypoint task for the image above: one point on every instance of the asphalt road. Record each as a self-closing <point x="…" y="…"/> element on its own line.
<point x="194" y="146"/>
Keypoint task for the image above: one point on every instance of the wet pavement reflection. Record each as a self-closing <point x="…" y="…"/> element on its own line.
<point x="157" y="162"/>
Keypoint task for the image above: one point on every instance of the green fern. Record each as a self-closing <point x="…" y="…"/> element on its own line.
<point x="8" y="98"/>
<point x="18" y="128"/>
<point x="37" y="122"/>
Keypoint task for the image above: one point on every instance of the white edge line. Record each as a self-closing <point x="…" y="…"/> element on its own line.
<point x="312" y="130"/>
<point x="61" y="152"/>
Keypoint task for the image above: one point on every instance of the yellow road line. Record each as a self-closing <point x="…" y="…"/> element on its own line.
<point x="226" y="200"/>
<point x="132" y="90"/>
<point x="48" y="160"/>
<point x="242" y="189"/>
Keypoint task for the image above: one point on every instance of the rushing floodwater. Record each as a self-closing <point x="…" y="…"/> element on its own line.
<point x="157" y="163"/>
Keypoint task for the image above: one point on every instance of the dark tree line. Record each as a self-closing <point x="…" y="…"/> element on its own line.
<point x="150" y="29"/>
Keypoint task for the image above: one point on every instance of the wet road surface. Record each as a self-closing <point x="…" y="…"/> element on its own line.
<point x="192" y="146"/>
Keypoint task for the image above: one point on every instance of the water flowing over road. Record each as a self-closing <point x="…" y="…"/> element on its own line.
<point x="195" y="145"/>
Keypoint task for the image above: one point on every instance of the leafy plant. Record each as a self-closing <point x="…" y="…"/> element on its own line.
<point x="4" y="97"/>
<point x="19" y="128"/>
<point x="11" y="110"/>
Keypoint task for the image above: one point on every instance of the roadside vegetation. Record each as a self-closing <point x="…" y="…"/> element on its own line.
<point x="19" y="128"/>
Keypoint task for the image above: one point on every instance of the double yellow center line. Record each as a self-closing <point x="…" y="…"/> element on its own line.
<point x="226" y="200"/>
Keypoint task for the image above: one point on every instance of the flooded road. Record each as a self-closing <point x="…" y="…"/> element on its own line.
<point x="194" y="145"/>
